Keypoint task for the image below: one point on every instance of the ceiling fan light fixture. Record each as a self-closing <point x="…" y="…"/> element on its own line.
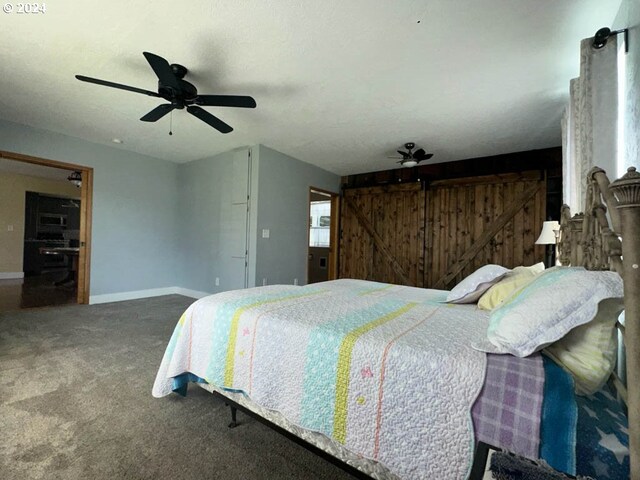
<point x="411" y="158"/>
<point x="76" y="179"/>
<point x="410" y="162"/>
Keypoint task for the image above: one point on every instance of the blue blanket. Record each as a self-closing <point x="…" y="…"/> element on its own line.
<point x="603" y="439"/>
<point x="583" y="435"/>
<point x="559" y="419"/>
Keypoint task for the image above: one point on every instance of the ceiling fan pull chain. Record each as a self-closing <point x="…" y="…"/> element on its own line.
<point x="171" y="123"/>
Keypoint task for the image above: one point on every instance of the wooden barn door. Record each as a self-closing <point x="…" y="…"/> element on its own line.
<point x="383" y="234"/>
<point x="476" y="221"/>
<point x="435" y="237"/>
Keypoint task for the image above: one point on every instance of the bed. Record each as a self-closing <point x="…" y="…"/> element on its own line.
<point x="391" y="381"/>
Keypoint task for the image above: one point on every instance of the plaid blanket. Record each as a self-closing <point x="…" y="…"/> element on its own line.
<point x="508" y="410"/>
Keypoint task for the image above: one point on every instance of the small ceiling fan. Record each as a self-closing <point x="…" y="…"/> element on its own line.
<point x="180" y="94"/>
<point x="411" y="158"/>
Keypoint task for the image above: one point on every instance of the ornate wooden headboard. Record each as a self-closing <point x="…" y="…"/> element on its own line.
<point x="590" y="240"/>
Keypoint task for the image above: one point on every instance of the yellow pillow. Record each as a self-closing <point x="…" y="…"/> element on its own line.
<point x="589" y="351"/>
<point x="513" y="281"/>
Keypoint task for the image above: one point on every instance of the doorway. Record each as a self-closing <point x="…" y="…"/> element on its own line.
<point x="46" y="232"/>
<point x="323" y="239"/>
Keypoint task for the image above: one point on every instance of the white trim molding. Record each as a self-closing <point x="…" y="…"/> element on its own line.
<point x="152" y="292"/>
<point x="191" y="293"/>
<point x="132" y="295"/>
<point x="11" y="275"/>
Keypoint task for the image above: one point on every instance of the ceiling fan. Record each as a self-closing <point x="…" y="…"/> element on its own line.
<point x="180" y="94"/>
<point x="411" y="158"/>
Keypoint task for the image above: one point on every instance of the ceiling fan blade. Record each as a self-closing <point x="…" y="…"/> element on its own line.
<point x="206" y="117"/>
<point x="418" y="153"/>
<point x="226" y="101"/>
<point x="163" y="70"/>
<point x="426" y="156"/>
<point x="105" y="83"/>
<point x="158" y="112"/>
<point x="404" y="154"/>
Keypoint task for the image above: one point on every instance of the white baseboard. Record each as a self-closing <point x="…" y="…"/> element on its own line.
<point x="11" y="275"/>
<point x="152" y="292"/>
<point x="191" y="293"/>
<point x="133" y="295"/>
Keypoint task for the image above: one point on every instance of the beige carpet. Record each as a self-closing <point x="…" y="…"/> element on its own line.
<point x="75" y="403"/>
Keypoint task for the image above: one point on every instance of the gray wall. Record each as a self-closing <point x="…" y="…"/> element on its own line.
<point x="158" y="224"/>
<point x="629" y="17"/>
<point x="199" y="207"/>
<point x="283" y="208"/>
<point x="134" y="233"/>
<point x="279" y="197"/>
<point x="210" y="232"/>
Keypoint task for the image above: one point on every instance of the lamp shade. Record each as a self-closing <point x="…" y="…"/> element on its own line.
<point x="549" y="232"/>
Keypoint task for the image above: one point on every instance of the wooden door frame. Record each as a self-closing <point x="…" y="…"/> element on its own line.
<point x="332" y="267"/>
<point x="86" y="209"/>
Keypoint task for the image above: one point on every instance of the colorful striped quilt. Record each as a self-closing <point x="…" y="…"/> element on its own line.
<point x="386" y="371"/>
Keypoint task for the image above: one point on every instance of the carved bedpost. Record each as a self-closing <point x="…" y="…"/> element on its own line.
<point x="564" y="240"/>
<point x="601" y="245"/>
<point x="627" y="195"/>
<point x="570" y="241"/>
<point x="598" y="177"/>
<point x="575" y="240"/>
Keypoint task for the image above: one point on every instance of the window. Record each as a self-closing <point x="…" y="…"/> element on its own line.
<point x="319" y="230"/>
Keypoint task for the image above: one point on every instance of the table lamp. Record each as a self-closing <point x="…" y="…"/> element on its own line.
<point x="549" y="237"/>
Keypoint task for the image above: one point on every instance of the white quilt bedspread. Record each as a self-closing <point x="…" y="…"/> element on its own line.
<point x="387" y="371"/>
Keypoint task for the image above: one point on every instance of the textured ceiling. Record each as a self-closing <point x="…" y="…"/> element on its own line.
<point x="340" y="84"/>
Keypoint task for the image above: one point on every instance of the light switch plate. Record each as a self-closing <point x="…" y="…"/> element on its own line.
<point x="9" y="228"/>
<point x="265" y="233"/>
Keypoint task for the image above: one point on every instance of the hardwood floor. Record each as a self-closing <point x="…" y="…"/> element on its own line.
<point x="37" y="291"/>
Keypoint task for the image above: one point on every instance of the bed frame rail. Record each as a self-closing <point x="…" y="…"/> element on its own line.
<point x="234" y="407"/>
<point x="590" y="240"/>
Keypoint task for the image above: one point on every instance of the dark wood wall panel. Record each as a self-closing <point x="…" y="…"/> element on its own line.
<point x="434" y="235"/>
<point x="459" y="214"/>
<point x="396" y="215"/>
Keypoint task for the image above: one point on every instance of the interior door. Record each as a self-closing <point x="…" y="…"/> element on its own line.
<point x="322" y="239"/>
<point x="239" y="220"/>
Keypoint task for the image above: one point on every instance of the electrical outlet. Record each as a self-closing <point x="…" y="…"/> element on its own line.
<point x="9" y="228"/>
<point x="264" y="282"/>
<point x="217" y="281"/>
<point x="265" y="233"/>
<point x="295" y="281"/>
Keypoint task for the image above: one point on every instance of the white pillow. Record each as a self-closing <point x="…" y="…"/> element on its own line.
<point x="558" y="300"/>
<point x="472" y="287"/>
<point x="589" y="351"/>
<point x="516" y="279"/>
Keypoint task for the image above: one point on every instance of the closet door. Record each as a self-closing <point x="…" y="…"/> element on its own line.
<point x="238" y="221"/>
